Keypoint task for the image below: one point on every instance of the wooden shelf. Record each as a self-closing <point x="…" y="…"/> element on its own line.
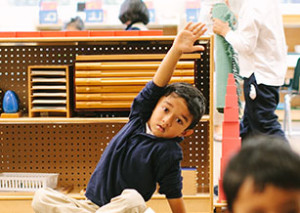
<point x="71" y="120"/>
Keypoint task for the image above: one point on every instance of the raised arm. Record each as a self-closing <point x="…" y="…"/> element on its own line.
<point x="183" y="43"/>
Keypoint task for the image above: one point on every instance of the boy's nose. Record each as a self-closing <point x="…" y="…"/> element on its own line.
<point x="167" y="121"/>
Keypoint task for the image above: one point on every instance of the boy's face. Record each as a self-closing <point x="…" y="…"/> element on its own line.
<point x="170" y="118"/>
<point x="271" y="200"/>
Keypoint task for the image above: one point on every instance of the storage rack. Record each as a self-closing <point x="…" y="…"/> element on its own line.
<point x="48" y="90"/>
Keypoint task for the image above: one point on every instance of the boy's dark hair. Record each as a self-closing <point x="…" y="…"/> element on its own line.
<point x="194" y="98"/>
<point x="134" y="11"/>
<point x="266" y="160"/>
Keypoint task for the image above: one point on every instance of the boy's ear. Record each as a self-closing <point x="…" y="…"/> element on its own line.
<point x="187" y="132"/>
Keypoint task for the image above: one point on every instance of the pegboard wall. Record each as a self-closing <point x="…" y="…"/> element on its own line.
<point x="73" y="150"/>
<point x="15" y="59"/>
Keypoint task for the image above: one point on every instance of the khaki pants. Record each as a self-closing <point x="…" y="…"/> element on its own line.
<point x="50" y="201"/>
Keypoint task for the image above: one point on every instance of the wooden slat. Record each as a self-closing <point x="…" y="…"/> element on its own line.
<point x="128" y="73"/>
<point x="103" y="104"/>
<point x="132" y="57"/>
<point x="106" y="97"/>
<point x="140" y="65"/>
<point x="119" y="89"/>
<point x="48" y="110"/>
<point x="125" y="81"/>
<point x="74" y="120"/>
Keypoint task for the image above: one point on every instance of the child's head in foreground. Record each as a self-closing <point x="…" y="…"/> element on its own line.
<point x="263" y="177"/>
<point x="178" y="111"/>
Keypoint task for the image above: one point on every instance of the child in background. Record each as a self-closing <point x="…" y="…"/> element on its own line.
<point x="134" y="14"/>
<point x="263" y="177"/>
<point x="146" y="151"/>
<point x="75" y="24"/>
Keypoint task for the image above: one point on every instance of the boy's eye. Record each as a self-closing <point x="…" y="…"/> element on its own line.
<point x="165" y="109"/>
<point x="179" y="121"/>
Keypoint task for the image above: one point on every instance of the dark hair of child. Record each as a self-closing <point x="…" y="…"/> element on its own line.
<point x="265" y="159"/>
<point x="134" y="11"/>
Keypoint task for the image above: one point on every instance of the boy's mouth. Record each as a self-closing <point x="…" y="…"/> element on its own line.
<point x="160" y="128"/>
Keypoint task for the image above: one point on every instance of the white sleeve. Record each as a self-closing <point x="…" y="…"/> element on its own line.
<point x="244" y="39"/>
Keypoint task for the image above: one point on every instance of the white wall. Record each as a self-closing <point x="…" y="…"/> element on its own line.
<point x="16" y="18"/>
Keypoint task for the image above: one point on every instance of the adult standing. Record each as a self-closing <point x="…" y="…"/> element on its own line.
<point x="260" y="43"/>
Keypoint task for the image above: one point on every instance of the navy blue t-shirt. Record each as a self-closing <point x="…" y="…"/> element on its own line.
<point x="134" y="159"/>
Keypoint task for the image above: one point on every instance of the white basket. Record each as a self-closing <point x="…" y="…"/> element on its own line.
<point x="27" y="181"/>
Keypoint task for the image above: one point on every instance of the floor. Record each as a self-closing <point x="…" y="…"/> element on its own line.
<point x="294" y="141"/>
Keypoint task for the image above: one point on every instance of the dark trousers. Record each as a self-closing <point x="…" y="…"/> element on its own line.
<point x="259" y="114"/>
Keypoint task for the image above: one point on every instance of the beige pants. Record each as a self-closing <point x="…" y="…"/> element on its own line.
<point x="50" y="201"/>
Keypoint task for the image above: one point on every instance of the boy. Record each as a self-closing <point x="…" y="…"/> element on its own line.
<point x="146" y="151"/>
<point x="263" y="177"/>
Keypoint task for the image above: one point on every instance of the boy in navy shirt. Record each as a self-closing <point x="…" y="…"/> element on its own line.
<point x="146" y="151"/>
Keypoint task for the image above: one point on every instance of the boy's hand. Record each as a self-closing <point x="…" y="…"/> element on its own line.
<point x="185" y="40"/>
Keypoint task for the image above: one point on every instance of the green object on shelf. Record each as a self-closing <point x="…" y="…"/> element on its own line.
<point x="226" y="57"/>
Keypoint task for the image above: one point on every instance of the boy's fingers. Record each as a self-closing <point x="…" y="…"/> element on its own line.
<point x="201" y="32"/>
<point x="188" y="26"/>
<point x="194" y="26"/>
<point x="197" y="26"/>
<point x="198" y="48"/>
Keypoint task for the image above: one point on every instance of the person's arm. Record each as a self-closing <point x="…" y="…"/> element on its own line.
<point x="244" y="39"/>
<point x="184" y="42"/>
<point x="177" y="205"/>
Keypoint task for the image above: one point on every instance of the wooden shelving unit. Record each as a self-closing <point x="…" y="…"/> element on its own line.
<point x="72" y="146"/>
<point x="48" y="91"/>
